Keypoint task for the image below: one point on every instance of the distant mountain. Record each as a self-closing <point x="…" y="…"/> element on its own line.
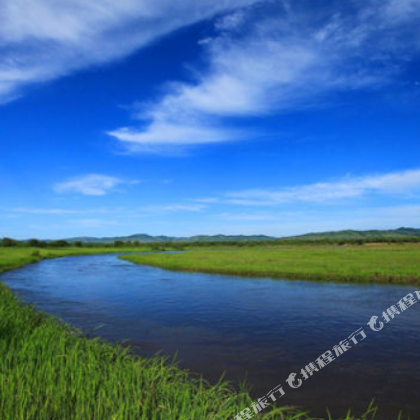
<point x="144" y="238"/>
<point x="402" y="232"/>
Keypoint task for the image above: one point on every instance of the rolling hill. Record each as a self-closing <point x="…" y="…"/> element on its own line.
<point x="402" y="232"/>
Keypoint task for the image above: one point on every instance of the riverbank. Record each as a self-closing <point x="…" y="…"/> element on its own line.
<point x="15" y="257"/>
<point x="369" y="263"/>
<point x="50" y="370"/>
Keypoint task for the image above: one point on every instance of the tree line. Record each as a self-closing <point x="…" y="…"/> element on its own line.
<point x="159" y="246"/>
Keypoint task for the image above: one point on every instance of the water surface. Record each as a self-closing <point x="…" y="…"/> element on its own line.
<point x="258" y="329"/>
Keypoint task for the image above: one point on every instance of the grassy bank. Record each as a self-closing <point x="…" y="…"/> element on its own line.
<point x="379" y="263"/>
<point x="14" y="257"/>
<point x="51" y="371"/>
<point x="11" y="258"/>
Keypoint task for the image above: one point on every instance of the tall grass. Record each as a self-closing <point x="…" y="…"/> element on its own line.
<point x="384" y="263"/>
<point x="50" y="371"/>
<point x="15" y="257"/>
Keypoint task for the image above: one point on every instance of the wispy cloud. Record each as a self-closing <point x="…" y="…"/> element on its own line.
<point x="60" y="211"/>
<point x="94" y="223"/>
<point x="397" y="10"/>
<point x="404" y="183"/>
<point x="299" y="221"/>
<point x="41" y="40"/>
<point x="173" y="208"/>
<point x="111" y="212"/>
<point x="287" y="59"/>
<point x="248" y="217"/>
<point x="46" y="211"/>
<point x="162" y="136"/>
<point x="92" y="184"/>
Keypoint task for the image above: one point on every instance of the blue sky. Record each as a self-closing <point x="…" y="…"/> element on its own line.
<point x="235" y="117"/>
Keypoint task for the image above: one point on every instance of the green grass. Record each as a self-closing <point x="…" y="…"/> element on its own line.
<point x="49" y="370"/>
<point x="15" y="257"/>
<point x="378" y="263"/>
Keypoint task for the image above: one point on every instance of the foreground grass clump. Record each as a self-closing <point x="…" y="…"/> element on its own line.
<point x="48" y="370"/>
<point x="379" y="263"/>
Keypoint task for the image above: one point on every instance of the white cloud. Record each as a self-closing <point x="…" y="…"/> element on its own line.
<point x="231" y="21"/>
<point x="41" y="40"/>
<point x="94" y="223"/>
<point x="285" y="60"/>
<point x="45" y="211"/>
<point x="161" y="136"/>
<point x="399" y="10"/>
<point x="248" y="217"/>
<point x="92" y="184"/>
<point x="59" y="211"/>
<point x="405" y="183"/>
<point x="93" y="188"/>
<point x="173" y="208"/>
<point x="312" y="220"/>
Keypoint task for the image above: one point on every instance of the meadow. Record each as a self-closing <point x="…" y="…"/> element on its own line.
<point x="368" y="263"/>
<point x="49" y="370"/>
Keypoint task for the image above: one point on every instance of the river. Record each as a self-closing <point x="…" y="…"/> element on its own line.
<point x="258" y="329"/>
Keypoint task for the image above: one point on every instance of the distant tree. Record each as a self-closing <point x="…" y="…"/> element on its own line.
<point x="9" y="242"/>
<point x="33" y="242"/>
<point x="59" y="244"/>
<point x="118" y="243"/>
<point x="79" y="244"/>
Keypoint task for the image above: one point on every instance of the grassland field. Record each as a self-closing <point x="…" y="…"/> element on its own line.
<point x="49" y="370"/>
<point x="369" y="263"/>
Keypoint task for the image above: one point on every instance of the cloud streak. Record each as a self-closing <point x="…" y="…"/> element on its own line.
<point x="174" y="208"/>
<point x="404" y="183"/>
<point x="162" y="136"/>
<point x="284" y="59"/>
<point x="41" y="40"/>
<point x="55" y="212"/>
<point x="287" y="223"/>
<point x="94" y="223"/>
<point x="92" y="184"/>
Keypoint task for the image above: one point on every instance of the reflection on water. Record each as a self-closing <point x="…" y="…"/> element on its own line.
<point x="259" y="329"/>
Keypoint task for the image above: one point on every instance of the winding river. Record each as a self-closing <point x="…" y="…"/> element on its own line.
<point x="258" y="329"/>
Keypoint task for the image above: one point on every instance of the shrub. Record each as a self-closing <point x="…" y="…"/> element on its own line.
<point x="9" y="242"/>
